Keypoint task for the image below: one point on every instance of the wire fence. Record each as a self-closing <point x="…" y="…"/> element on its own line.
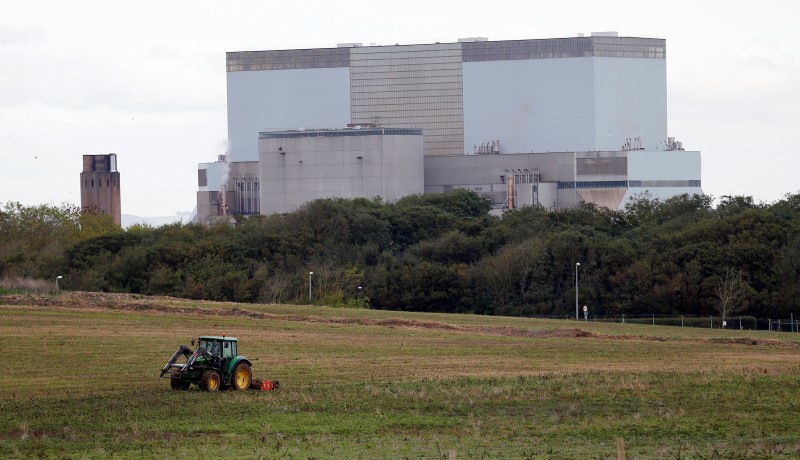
<point x="745" y="323"/>
<point x="779" y="325"/>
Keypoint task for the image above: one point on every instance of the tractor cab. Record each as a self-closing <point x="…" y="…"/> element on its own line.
<point x="219" y="347"/>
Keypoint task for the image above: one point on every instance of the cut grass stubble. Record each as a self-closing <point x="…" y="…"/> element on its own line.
<point x="390" y="391"/>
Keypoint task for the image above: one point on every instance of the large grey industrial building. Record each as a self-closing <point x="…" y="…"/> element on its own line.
<point x="553" y="122"/>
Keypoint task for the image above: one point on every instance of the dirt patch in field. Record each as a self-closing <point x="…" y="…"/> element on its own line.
<point x="744" y="341"/>
<point x="92" y="300"/>
<point x="39" y="434"/>
<point x="552" y="333"/>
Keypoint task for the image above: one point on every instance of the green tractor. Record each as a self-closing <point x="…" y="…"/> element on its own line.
<point x="213" y="366"/>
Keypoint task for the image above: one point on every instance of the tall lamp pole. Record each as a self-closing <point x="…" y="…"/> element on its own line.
<point x="309" y="284"/>
<point x="577" y="264"/>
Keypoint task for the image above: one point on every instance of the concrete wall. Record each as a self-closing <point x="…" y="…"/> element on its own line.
<point x="283" y="99"/>
<point x="403" y="167"/>
<point x="296" y="170"/>
<point x="207" y="205"/>
<point x="548" y="195"/>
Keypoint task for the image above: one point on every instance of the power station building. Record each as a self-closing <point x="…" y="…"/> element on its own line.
<point x="100" y="187"/>
<point x="575" y="119"/>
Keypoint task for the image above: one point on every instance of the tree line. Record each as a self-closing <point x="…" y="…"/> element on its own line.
<point x="441" y="252"/>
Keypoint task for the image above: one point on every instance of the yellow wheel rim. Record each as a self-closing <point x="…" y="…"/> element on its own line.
<point x="241" y="377"/>
<point x="213" y="382"/>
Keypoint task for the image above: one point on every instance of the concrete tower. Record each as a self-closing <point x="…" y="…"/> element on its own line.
<point x="100" y="185"/>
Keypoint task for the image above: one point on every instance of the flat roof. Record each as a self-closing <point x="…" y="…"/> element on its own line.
<point x="341" y="132"/>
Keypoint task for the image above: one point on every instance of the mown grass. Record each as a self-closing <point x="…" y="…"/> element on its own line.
<point x="361" y="391"/>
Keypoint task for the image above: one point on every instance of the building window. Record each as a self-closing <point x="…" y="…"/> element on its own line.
<point x="593" y="184"/>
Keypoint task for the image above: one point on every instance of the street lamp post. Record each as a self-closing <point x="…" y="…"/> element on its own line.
<point x="577" y="264"/>
<point x="309" y="284"/>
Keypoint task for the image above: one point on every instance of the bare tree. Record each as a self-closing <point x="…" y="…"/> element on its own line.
<point x="276" y="288"/>
<point x="730" y="290"/>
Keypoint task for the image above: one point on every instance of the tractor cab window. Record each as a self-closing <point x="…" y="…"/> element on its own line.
<point x="211" y="346"/>
<point x="227" y="349"/>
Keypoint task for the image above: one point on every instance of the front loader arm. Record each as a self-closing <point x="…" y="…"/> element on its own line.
<point x="183" y="350"/>
<point x="200" y="352"/>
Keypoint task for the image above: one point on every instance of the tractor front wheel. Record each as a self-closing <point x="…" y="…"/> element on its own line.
<point x="241" y="377"/>
<point x="178" y="383"/>
<point x="210" y="381"/>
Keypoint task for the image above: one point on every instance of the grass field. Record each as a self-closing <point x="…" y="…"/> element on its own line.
<point x="80" y="380"/>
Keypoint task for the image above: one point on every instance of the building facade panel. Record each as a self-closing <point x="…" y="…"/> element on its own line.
<point x="602" y="166"/>
<point x="530" y="105"/>
<point x="630" y="101"/>
<point x="559" y="48"/>
<point x="308" y="98"/>
<point x="298" y="167"/>
<point x="574" y="177"/>
<point x="664" y="165"/>
<point x="240" y="61"/>
<point x="387" y="85"/>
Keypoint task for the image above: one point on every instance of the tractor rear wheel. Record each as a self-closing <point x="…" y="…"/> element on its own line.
<point x="241" y="377"/>
<point x="210" y="381"/>
<point x="177" y="383"/>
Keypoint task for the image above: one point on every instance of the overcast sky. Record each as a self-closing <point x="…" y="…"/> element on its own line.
<point x="146" y="80"/>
